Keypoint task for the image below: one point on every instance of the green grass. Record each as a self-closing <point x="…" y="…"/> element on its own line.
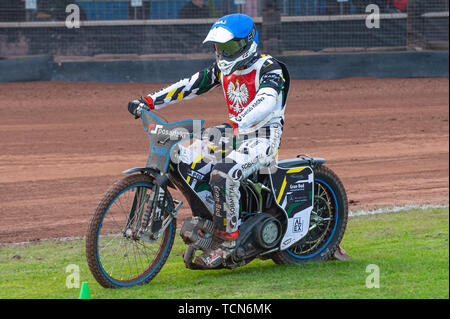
<point x="410" y="248"/>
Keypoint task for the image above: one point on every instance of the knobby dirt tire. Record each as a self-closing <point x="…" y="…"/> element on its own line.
<point x="329" y="180"/>
<point x="167" y="238"/>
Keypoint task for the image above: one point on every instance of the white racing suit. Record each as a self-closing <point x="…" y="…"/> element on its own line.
<point x="255" y="95"/>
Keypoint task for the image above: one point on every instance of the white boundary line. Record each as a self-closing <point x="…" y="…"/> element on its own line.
<point x="392" y="209"/>
<point x="384" y="210"/>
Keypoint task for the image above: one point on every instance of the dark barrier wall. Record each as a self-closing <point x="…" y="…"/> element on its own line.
<point x="316" y="66"/>
<point x="379" y="65"/>
<point x="26" y="69"/>
<point x="157" y="70"/>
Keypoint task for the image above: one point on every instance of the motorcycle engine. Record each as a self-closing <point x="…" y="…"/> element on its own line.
<point x="258" y="233"/>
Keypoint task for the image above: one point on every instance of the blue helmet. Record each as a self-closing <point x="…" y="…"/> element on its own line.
<point x="235" y="40"/>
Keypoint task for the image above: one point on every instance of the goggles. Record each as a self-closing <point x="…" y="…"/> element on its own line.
<point x="230" y="48"/>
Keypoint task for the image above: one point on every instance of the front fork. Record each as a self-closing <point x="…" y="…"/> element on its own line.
<point x="157" y="201"/>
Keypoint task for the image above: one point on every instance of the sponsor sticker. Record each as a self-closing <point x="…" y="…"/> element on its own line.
<point x="297" y="187"/>
<point x="174" y="134"/>
<point x="298" y="225"/>
<point x="159" y="150"/>
<point x="195" y="174"/>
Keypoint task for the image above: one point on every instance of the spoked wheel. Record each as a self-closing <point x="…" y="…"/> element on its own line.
<point x="119" y="254"/>
<point x="328" y="221"/>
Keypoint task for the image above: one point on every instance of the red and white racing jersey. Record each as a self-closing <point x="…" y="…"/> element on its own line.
<point x="255" y="94"/>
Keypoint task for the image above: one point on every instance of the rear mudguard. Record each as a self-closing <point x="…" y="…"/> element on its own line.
<point x="301" y="160"/>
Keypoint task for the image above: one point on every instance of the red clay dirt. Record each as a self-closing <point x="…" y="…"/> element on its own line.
<point x="63" y="144"/>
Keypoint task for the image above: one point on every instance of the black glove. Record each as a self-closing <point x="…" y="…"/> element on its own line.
<point x="135" y="106"/>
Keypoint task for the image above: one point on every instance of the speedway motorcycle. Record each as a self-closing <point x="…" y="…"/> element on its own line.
<point x="295" y="212"/>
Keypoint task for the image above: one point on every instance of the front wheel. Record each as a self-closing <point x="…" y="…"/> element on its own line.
<point x="117" y="253"/>
<point x="327" y="222"/>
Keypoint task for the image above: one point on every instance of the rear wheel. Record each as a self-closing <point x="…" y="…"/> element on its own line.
<point x="327" y="222"/>
<point x="117" y="254"/>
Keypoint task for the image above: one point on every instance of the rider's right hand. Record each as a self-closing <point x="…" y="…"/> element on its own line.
<point x="135" y="107"/>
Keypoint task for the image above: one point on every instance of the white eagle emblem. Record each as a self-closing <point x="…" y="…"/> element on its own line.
<point x="238" y="96"/>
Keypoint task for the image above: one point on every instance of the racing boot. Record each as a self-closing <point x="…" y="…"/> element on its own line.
<point x="221" y="247"/>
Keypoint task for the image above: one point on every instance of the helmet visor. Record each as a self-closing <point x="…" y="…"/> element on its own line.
<point x="230" y="48"/>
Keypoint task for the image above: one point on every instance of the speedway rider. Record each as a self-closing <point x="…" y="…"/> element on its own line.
<point x="255" y="88"/>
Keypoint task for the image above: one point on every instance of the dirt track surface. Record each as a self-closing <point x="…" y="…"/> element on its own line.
<point x="63" y="144"/>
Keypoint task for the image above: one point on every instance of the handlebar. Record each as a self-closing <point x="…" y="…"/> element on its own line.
<point x="139" y="109"/>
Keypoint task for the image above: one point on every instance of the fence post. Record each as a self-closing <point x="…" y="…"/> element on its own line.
<point x="414" y="25"/>
<point x="271" y="26"/>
